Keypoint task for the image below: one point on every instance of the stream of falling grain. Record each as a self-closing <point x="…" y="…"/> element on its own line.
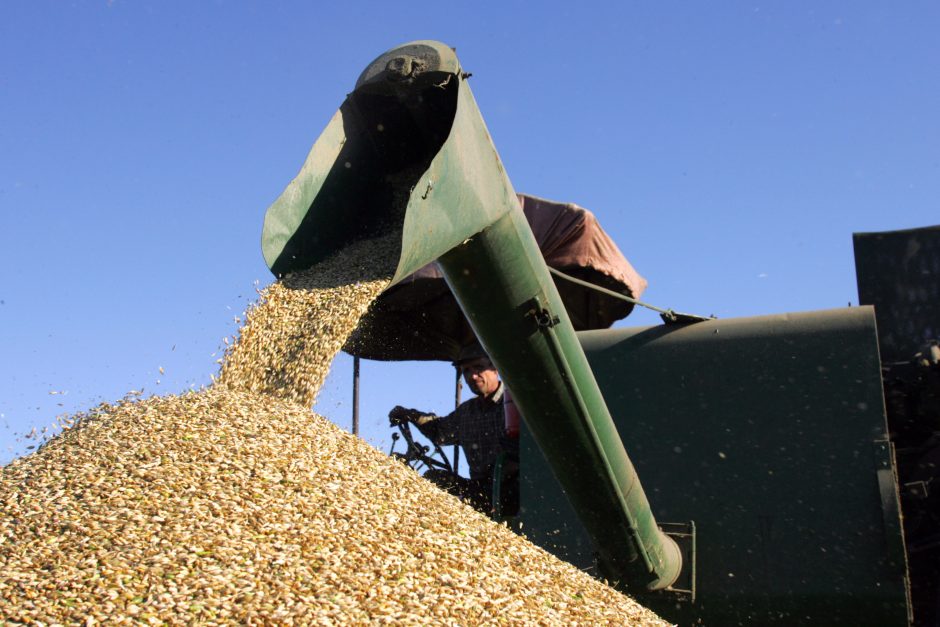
<point x="237" y="505"/>
<point x="289" y="339"/>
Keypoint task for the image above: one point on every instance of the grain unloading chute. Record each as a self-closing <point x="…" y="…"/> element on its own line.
<point x="408" y="149"/>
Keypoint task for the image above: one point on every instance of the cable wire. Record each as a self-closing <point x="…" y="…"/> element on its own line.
<point x="667" y="315"/>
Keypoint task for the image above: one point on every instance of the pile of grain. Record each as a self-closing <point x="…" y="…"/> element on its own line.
<point x="236" y="504"/>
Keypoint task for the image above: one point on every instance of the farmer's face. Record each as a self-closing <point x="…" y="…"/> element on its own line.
<point x="480" y="376"/>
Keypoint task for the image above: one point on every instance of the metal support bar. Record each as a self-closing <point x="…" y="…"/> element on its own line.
<point x="458" y="386"/>
<point x="355" y="398"/>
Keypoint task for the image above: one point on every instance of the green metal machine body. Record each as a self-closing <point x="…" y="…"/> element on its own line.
<point x="769" y="435"/>
<point x="767" y="521"/>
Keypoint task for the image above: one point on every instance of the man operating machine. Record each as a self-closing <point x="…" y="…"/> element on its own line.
<point x="478" y="426"/>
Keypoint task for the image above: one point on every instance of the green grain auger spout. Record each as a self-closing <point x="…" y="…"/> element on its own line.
<point x="408" y="149"/>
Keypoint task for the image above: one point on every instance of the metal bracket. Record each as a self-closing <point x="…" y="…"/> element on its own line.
<point x="685" y="537"/>
<point x="883" y="453"/>
<point x="404" y="67"/>
<point x="916" y="490"/>
<point x="544" y="319"/>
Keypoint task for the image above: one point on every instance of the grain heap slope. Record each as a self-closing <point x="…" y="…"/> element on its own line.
<point x="238" y="505"/>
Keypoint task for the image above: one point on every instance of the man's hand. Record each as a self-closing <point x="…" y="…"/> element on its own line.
<point x="400" y="415"/>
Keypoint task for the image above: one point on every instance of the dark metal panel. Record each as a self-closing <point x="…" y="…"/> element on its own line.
<point x="763" y="432"/>
<point x="899" y="273"/>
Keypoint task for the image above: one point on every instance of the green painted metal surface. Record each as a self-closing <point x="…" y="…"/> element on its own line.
<point x="409" y="153"/>
<point x="769" y="433"/>
<point x="409" y="149"/>
<point x="509" y="298"/>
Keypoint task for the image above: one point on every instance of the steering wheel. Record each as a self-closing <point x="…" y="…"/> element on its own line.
<point x="417" y="455"/>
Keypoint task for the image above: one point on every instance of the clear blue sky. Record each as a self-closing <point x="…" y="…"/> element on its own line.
<point x="729" y="148"/>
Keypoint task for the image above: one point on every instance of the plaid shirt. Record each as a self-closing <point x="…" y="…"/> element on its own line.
<point x="478" y="426"/>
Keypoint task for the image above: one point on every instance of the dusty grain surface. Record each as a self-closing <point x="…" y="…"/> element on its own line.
<point x="238" y="505"/>
<point x="225" y="506"/>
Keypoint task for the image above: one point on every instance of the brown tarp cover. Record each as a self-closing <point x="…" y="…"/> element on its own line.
<point x="419" y="319"/>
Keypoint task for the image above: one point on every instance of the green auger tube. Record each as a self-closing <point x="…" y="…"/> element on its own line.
<point x="409" y="149"/>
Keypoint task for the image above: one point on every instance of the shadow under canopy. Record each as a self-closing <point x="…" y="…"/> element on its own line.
<point x="419" y="319"/>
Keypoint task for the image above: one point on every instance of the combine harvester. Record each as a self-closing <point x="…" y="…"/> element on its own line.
<point x="762" y="442"/>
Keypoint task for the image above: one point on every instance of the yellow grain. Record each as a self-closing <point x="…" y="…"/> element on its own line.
<point x="237" y="505"/>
